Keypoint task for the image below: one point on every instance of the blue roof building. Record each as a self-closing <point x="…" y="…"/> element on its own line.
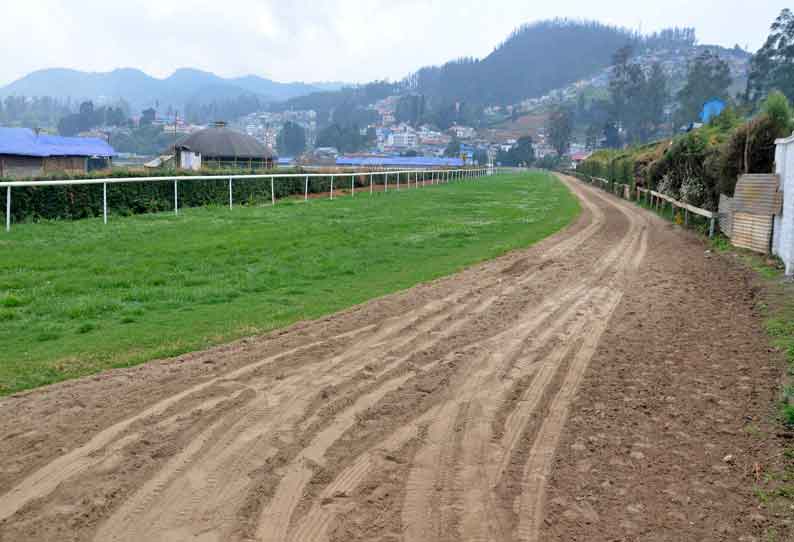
<point x="398" y="161"/>
<point x="711" y="109"/>
<point x="23" y="153"/>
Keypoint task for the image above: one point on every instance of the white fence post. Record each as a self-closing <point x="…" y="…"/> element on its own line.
<point x="353" y="185"/>
<point x="8" y="208"/>
<point x="437" y="177"/>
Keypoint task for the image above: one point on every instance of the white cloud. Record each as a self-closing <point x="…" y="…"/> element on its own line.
<point x="314" y="40"/>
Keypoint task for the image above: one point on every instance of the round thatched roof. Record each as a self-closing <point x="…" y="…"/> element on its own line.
<point x="222" y="142"/>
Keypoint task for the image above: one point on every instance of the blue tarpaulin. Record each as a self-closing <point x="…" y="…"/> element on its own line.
<point x="398" y="161"/>
<point x="24" y="142"/>
<point x="711" y="109"/>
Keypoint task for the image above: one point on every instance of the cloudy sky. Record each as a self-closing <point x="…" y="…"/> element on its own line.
<point x="322" y="40"/>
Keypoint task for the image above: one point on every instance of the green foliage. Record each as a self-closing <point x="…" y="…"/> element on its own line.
<point x="778" y="109"/>
<point x="771" y="67"/>
<point x="726" y="121"/>
<point x="709" y="77"/>
<point x="346" y="138"/>
<point x="204" y="110"/>
<point x="291" y="139"/>
<point x="146" y="140"/>
<point x="84" y="201"/>
<point x="699" y="166"/>
<point x="32" y="112"/>
<point x="550" y="162"/>
<point x="638" y="97"/>
<point x="560" y="130"/>
<point x="411" y="109"/>
<point x="750" y="149"/>
<point x="345" y="100"/>
<point x="521" y="154"/>
<point x="614" y="166"/>
<point x="78" y="297"/>
<point x="580" y="47"/>
<point x="88" y="117"/>
<point x="453" y="148"/>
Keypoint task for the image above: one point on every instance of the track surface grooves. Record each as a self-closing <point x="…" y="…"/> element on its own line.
<point x="434" y="414"/>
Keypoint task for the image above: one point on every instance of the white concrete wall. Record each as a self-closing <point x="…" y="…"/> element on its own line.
<point x="190" y="160"/>
<point x="783" y="240"/>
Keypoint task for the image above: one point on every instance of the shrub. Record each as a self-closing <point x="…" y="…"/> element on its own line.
<point x="777" y="108"/>
<point x="85" y="201"/>
<point x="751" y="149"/>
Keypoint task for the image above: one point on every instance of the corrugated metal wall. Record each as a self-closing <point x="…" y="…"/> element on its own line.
<point x="755" y="203"/>
<point x="726" y="215"/>
<point x="753" y="232"/>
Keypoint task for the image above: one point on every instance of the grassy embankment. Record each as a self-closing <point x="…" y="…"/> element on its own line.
<point x="79" y="297"/>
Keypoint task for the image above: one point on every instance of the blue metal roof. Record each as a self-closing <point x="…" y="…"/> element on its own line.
<point x="24" y="142"/>
<point x="398" y="161"/>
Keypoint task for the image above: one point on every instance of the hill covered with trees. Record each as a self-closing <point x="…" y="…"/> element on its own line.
<point x="535" y="59"/>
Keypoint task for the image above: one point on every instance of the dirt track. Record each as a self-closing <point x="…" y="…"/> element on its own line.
<point x="577" y="390"/>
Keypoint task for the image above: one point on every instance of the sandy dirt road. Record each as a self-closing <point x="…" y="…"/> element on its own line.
<point x="515" y="401"/>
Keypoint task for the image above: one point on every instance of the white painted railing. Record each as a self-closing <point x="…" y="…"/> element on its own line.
<point x="437" y="176"/>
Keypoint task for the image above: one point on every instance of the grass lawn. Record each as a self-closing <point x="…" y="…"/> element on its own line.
<point x="79" y="297"/>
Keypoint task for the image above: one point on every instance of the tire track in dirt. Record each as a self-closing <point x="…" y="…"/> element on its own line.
<point x="509" y="322"/>
<point x="199" y="494"/>
<point x="317" y="522"/>
<point x="541" y="455"/>
<point x="46" y="479"/>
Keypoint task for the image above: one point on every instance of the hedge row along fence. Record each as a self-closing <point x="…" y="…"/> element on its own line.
<point x="32" y="203"/>
<point x="697" y="167"/>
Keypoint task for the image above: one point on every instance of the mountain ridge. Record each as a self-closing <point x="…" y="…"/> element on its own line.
<point x="142" y="90"/>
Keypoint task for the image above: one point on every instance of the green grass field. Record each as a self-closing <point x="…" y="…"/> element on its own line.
<point x="80" y="297"/>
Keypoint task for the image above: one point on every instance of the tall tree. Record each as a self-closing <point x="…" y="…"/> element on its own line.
<point x="292" y="139"/>
<point x="772" y="67"/>
<point x="453" y="148"/>
<point x="708" y="78"/>
<point x="646" y="93"/>
<point x="619" y="84"/>
<point x="560" y="129"/>
<point x="342" y="138"/>
<point x="522" y="154"/>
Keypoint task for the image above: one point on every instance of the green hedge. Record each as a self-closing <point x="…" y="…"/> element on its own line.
<point x="85" y="201"/>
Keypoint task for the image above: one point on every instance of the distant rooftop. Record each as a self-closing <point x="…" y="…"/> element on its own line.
<point x="400" y="161"/>
<point x="25" y="142"/>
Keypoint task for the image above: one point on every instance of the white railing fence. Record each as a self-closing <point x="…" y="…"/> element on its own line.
<point x="420" y="178"/>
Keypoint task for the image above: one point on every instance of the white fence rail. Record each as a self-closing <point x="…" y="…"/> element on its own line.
<point x="656" y="200"/>
<point x="436" y="176"/>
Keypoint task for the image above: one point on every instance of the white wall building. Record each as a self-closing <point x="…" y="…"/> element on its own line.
<point x="403" y="140"/>
<point x="783" y="237"/>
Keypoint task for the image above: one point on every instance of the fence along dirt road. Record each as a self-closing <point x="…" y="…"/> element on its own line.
<point x="429" y="415"/>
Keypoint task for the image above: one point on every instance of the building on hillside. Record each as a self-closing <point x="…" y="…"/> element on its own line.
<point x="220" y="147"/>
<point x="463" y="132"/>
<point x="403" y="140"/>
<point x="579" y="157"/>
<point x="24" y="153"/>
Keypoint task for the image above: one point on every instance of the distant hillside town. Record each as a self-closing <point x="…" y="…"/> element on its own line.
<point x="556" y="90"/>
